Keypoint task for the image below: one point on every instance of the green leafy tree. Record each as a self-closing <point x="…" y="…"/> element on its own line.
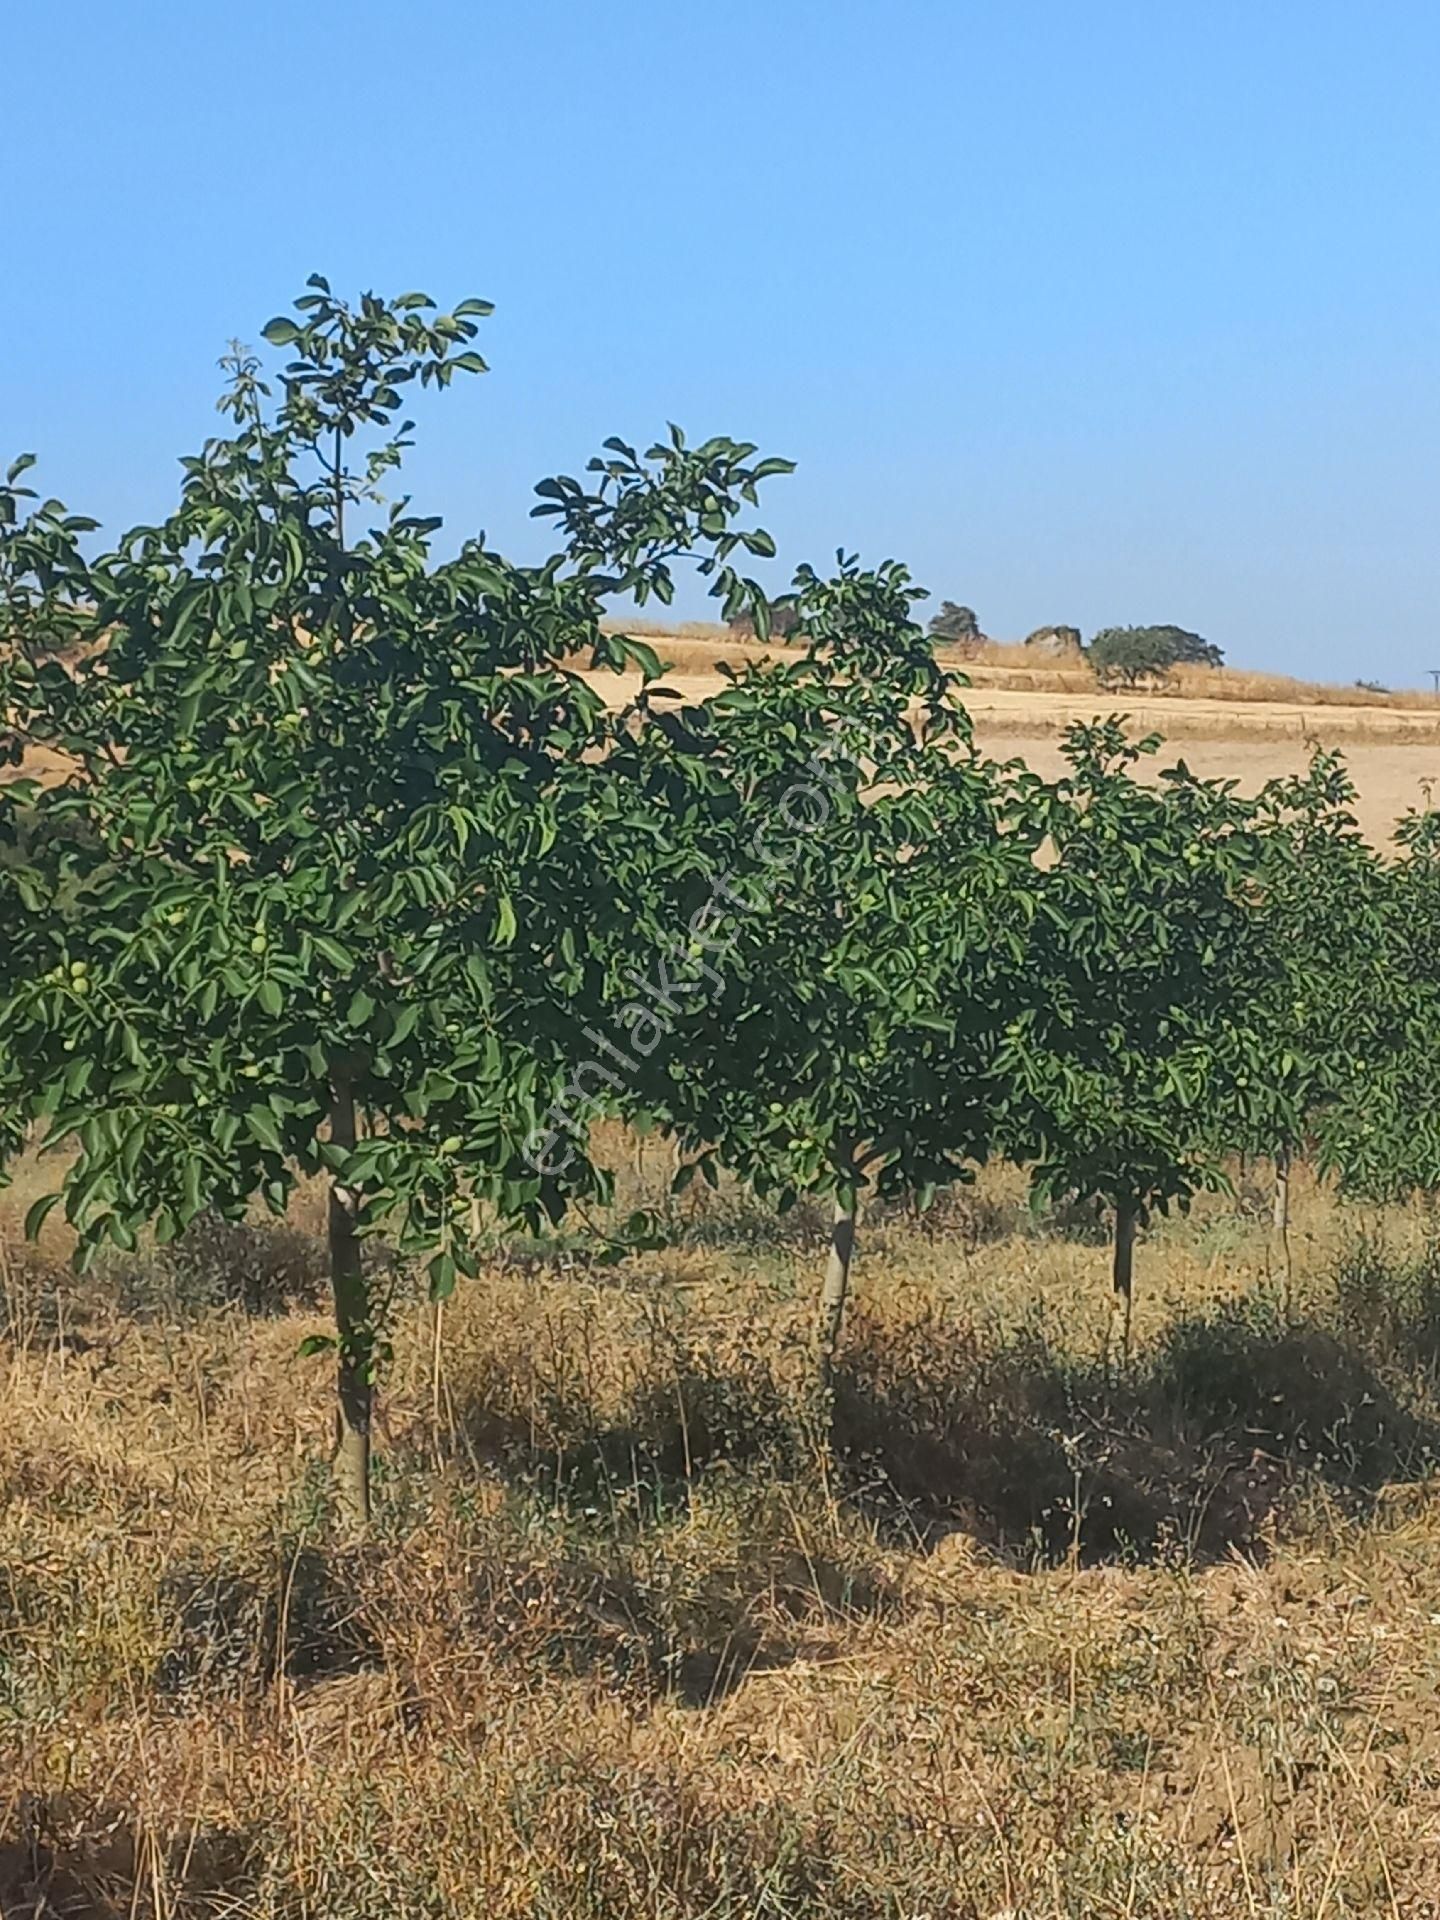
<point x="352" y="849"/>
<point x="1189" y="649"/>
<point x="1126" y="656"/>
<point x="1315" y="990"/>
<point x="1135" y="1032"/>
<point x="854" y="908"/>
<point x="1381" y="1134"/>
<point x="43" y="612"/>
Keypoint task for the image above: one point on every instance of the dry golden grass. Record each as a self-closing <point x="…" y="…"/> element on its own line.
<point x="1237" y="683"/>
<point x="625" y="1646"/>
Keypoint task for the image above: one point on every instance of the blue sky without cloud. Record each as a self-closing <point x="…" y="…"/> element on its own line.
<point x="1097" y="313"/>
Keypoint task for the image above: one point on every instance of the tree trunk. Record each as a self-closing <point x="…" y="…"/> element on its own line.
<point x="837" y="1284"/>
<point x="1122" y="1272"/>
<point x="352" y="1327"/>
<point x="1282" y="1215"/>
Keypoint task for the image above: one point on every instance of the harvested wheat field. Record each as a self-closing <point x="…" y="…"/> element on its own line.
<point x="1037" y="1638"/>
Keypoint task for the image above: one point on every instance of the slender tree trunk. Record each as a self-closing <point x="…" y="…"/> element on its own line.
<point x="352" y="1326"/>
<point x="1122" y="1275"/>
<point x="1282" y="1216"/>
<point x="837" y="1284"/>
<point x="677" y="1160"/>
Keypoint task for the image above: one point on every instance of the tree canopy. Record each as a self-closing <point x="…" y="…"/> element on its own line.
<point x="1124" y="656"/>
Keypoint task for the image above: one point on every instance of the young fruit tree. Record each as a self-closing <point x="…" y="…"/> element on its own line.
<point x="1137" y="1023"/>
<point x="350" y="802"/>
<point x="852" y="907"/>
<point x="1316" y="989"/>
<point x="1381" y="1132"/>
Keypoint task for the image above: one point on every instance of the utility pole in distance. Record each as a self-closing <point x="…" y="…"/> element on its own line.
<point x="1434" y="673"/>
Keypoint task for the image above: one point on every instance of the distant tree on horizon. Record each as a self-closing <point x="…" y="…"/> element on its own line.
<point x="1124" y="656"/>
<point x="953" y="622"/>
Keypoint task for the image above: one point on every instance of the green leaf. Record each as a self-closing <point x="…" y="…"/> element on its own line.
<point x="334" y="951"/>
<point x="39" y="1213"/>
<point x="260" y="1125"/>
<point x="403" y="1023"/>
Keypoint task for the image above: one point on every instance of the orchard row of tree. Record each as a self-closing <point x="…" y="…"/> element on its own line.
<point x="361" y="860"/>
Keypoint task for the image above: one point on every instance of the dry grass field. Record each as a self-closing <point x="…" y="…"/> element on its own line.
<point x="1036" y="1639"/>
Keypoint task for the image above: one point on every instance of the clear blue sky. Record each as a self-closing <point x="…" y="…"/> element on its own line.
<point x="1100" y="313"/>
